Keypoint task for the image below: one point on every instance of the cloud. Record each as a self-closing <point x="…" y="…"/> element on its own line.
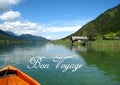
<point x="61" y="29"/>
<point x="58" y="32"/>
<point x="54" y="37"/>
<point x="50" y="37"/>
<point x="10" y="15"/>
<point x="27" y="27"/>
<point x="21" y="27"/>
<point x="56" y="29"/>
<point x="5" y="5"/>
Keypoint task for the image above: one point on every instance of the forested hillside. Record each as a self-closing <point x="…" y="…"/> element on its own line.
<point x="106" y="24"/>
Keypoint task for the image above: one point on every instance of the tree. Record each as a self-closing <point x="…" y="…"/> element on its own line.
<point x="91" y="32"/>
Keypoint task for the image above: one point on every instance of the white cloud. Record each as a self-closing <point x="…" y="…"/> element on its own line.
<point x="27" y="27"/>
<point x="21" y="27"/>
<point x="10" y="15"/>
<point x="49" y="37"/>
<point x="61" y="29"/>
<point x="54" y="37"/>
<point x="56" y="29"/>
<point x="58" y="32"/>
<point x="5" y="5"/>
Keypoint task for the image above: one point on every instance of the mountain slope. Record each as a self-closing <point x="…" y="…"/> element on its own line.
<point x="6" y="36"/>
<point x="32" y="38"/>
<point x="11" y="33"/>
<point x="24" y="37"/>
<point x="107" y="22"/>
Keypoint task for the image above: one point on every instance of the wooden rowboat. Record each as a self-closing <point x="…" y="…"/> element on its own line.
<point x="10" y="75"/>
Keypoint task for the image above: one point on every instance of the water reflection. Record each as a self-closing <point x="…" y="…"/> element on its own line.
<point x="104" y="59"/>
<point x="16" y="54"/>
<point x="99" y="67"/>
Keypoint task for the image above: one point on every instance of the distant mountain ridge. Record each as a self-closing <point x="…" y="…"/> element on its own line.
<point x="8" y="35"/>
<point x="32" y="38"/>
<point x="107" y="22"/>
<point x="11" y="33"/>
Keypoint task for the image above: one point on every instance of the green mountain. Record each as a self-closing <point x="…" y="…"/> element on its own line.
<point x="11" y="33"/>
<point x="11" y="37"/>
<point x="6" y="36"/>
<point x="29" y="37"/>
<point x="106" y="23"/>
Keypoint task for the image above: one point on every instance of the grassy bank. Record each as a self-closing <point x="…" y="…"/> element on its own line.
<point x="105" y="45"/>
<point x="62" y="42"/>
<point x="97" y="43"/>
<point x="66" y="42"/>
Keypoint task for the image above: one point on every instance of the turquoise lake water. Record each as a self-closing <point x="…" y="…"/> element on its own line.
<point x="60" y="65"/>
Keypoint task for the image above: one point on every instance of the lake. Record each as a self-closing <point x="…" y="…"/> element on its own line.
<point x="62" y="65"/>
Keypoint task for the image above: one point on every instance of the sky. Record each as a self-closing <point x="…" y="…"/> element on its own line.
<point x="52" y="19"/>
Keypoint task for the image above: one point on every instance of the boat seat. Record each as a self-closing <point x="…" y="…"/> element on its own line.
<point x="7" y="72"/>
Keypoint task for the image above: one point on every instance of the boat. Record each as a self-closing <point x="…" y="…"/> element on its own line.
<point x="10" y="75"/>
